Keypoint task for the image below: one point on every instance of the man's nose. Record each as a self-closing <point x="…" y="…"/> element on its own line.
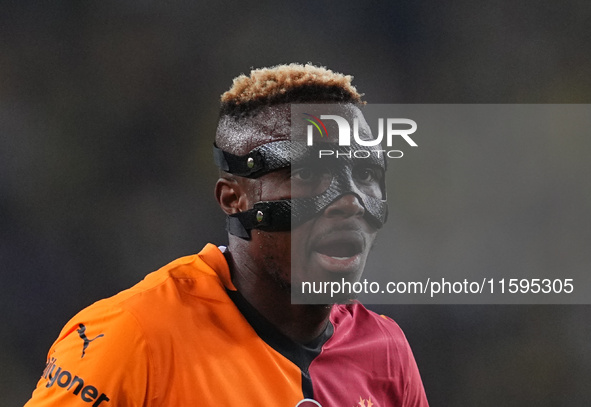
<point x="345" y="206"/>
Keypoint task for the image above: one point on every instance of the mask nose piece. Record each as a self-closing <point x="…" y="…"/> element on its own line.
<point x="346" y="205"/>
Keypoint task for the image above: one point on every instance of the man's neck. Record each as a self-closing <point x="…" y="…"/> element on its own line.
<point x="300" y="322"/>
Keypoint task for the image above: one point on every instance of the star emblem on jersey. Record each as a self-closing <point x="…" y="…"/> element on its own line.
<point x="365" y="403"/>
<point x="82" y="333"/>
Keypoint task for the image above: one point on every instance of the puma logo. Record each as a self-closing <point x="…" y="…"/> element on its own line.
<point x="82" y="333"/>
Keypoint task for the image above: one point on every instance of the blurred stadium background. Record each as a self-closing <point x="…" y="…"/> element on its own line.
<point x="107" y="114"/>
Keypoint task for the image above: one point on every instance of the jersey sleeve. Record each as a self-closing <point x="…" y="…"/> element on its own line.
<point x="414" y="395"/>
<point x="99" y="359"/>
<point x="413" y="392"/>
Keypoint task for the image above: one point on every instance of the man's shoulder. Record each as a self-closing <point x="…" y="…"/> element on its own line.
<point x="356" y="320"/>
<point x="194" y="274"/>
<point x="372" y="343"/>
<point x="161" y="292"/>
<point x="107" y="350"/>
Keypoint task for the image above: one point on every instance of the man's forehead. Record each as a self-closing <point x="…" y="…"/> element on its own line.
<point x="274" y="123"/>
<point x="241" y="135"/>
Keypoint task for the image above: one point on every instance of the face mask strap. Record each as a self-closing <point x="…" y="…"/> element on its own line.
<point x="259" y="161"/>
<point x="277" y="216"/>
<point x="271" y="216"/>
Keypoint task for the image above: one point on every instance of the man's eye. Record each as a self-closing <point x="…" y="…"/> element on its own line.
<point x="302" y="174"/>
<point x="366" y="174"/>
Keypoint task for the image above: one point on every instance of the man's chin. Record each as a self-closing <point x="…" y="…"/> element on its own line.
<point x="281" y="283"/>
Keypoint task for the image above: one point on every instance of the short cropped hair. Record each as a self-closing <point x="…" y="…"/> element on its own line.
<point x="293" y="83"/>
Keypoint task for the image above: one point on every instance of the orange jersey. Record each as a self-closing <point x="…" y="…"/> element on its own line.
<point x="184" y="337"/>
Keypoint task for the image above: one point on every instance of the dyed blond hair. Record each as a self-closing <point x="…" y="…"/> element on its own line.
<point x="293" y="83"/>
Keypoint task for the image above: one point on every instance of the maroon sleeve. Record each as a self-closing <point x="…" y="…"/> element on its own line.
<point x="414" y="392"/>
<point x="414" y="395"/>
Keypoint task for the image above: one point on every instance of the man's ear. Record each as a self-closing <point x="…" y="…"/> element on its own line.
<point x="231" y="195"/>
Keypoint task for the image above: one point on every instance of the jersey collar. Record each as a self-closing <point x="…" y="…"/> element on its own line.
<point x="213" y="256"/>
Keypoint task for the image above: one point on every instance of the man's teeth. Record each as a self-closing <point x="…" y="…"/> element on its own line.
<point x="340" y="258"/>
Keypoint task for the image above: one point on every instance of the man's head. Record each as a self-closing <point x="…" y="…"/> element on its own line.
<point x="267" y="170"/>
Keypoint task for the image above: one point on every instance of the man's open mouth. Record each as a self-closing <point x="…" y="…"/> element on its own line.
<point x="340" y="248"/>
<point x="339" y="252"/>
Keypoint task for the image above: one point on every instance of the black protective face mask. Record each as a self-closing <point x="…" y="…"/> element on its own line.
<point x="316" y="183"/>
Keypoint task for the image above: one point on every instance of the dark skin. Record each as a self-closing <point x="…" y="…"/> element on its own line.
<point x="261" y="267"/>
